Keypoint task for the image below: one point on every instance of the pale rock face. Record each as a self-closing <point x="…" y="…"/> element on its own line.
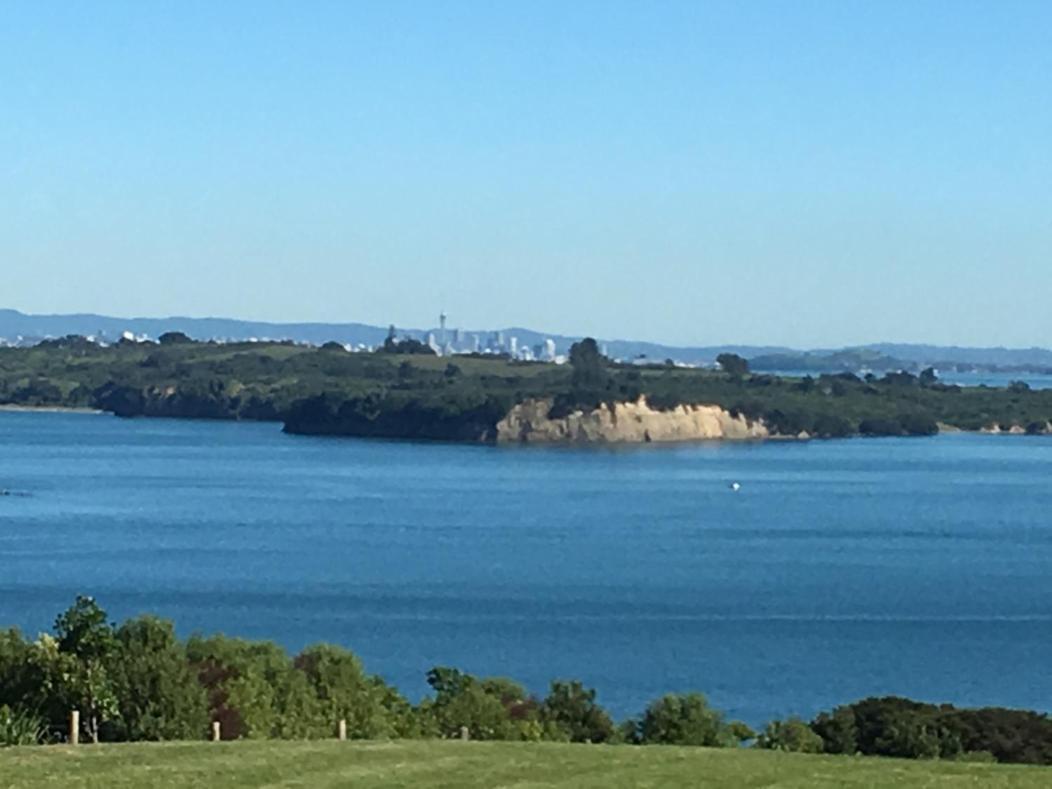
<point x="637" y="422"/>
<point x="1014" y="430"/>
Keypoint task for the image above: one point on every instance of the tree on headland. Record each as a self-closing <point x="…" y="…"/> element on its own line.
<point x="406" y="346"/>
<point x="733" y="364"/>
<point x="589" y="365"/>
<point x="174" y="338"/>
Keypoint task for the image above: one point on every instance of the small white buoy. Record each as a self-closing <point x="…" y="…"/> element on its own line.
<point x="736" y="486"/>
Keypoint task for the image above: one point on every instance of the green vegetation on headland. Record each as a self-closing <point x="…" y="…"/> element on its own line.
<point x="407" y="392"/>
<point x="478" y="765"/>
<point x="138" y="681"/>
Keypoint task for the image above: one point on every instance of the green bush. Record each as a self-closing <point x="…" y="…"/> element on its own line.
<point x="19" y="727"/>
<point x="571" y="709"/>
<point x="792" y="735"/>
<point x="138" y="681"/>
<point x="158" y="695"/>
<point x="684" y="720"/>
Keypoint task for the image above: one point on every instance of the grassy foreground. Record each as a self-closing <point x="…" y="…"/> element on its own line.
<point x="459" y="765"/>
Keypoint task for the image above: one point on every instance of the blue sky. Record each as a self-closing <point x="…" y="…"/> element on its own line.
<point x="806" y="173"/>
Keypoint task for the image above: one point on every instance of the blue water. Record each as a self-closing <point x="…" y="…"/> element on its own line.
<point x="841" y="569"/>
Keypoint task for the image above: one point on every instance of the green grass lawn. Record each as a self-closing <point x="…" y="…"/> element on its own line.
<point x="459" y="765"/>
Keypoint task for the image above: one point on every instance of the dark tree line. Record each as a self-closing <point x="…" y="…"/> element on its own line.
<point x="404" y="391"/>
<point x="139" y="681"/>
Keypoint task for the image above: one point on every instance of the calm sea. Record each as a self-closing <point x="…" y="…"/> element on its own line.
<point x="841" y="569"/>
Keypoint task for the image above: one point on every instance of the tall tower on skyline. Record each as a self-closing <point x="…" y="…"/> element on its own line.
<point x="442" y="328"/>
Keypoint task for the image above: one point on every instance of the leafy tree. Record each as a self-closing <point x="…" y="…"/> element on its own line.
<point x="244" y="682"/>
<point x="683" y="720"/>
<point x="792" y="735"/>
<point x="86" y="649"/>
<point x="407" y="345"/>
<point x="733" y="364"/>
<point x="447" y="681"/>
<point x="174" y="338"/>
<point x="627" y="732"/>
<point x="462" y="701"/>
<point x="344" y="691"/>
<point x="838" y="730"/>
<point x="588" y="364"/>
<point x="906" y="729"/>
<point x="572" y="709"/>
<point x="739" y="732"/>
<point x="302" y="716"/>
<point x="158" y="696"/>
<point x="17" y="684"/>
<point x="928" y="377"/>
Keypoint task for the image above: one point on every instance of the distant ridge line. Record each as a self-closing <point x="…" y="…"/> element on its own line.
<point x="14" y="324"/>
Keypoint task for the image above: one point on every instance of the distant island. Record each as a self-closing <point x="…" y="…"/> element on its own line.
<point x="404" y="390"/>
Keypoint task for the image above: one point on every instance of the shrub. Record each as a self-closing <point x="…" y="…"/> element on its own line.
<point x="572" y="709"/>
<point x="683" y="720"/>
<point x="462" y="701"/>
<point x="791" y="735"/>
<point x="158" y="695"/>
<point x="838" y="730"/>
<point x="19" y="727"/>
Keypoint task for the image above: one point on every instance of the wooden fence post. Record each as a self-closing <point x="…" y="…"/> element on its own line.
<point x="74" y="727"/>
<point x="216" y="731"/>
<point x="341" y="730"/>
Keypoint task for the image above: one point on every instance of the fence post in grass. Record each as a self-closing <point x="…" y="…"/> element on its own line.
<point x="74" y="727"/>
<point x="465" y="734"/>
<point x="341" y="730"/>
<point x="216" y="731"/>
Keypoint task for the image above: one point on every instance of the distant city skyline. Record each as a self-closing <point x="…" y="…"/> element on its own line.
<point x="817" y="174"/>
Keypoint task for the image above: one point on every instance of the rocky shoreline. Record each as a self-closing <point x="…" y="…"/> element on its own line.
<point x="532" y="422"/>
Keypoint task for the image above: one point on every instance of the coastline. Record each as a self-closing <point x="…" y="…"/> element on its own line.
<point x="599" y="435"/>
<point x="48" y="409"/>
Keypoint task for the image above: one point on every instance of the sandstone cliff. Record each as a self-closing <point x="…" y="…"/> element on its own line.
<point x="530" y="422"/>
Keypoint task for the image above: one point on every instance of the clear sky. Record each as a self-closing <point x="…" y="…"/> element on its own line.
<point x="801" y="173"/>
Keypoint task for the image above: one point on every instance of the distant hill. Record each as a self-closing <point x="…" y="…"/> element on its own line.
<point x="1000" y="357"/>
<point x="17" y="326"/>
<point x="847" y="360"/>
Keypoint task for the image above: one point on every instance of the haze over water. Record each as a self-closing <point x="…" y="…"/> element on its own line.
<point x="841" y="569"/>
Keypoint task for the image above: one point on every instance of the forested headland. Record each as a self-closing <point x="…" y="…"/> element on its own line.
<point x="404" y="391"/>
<point x="139" y="681"/>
